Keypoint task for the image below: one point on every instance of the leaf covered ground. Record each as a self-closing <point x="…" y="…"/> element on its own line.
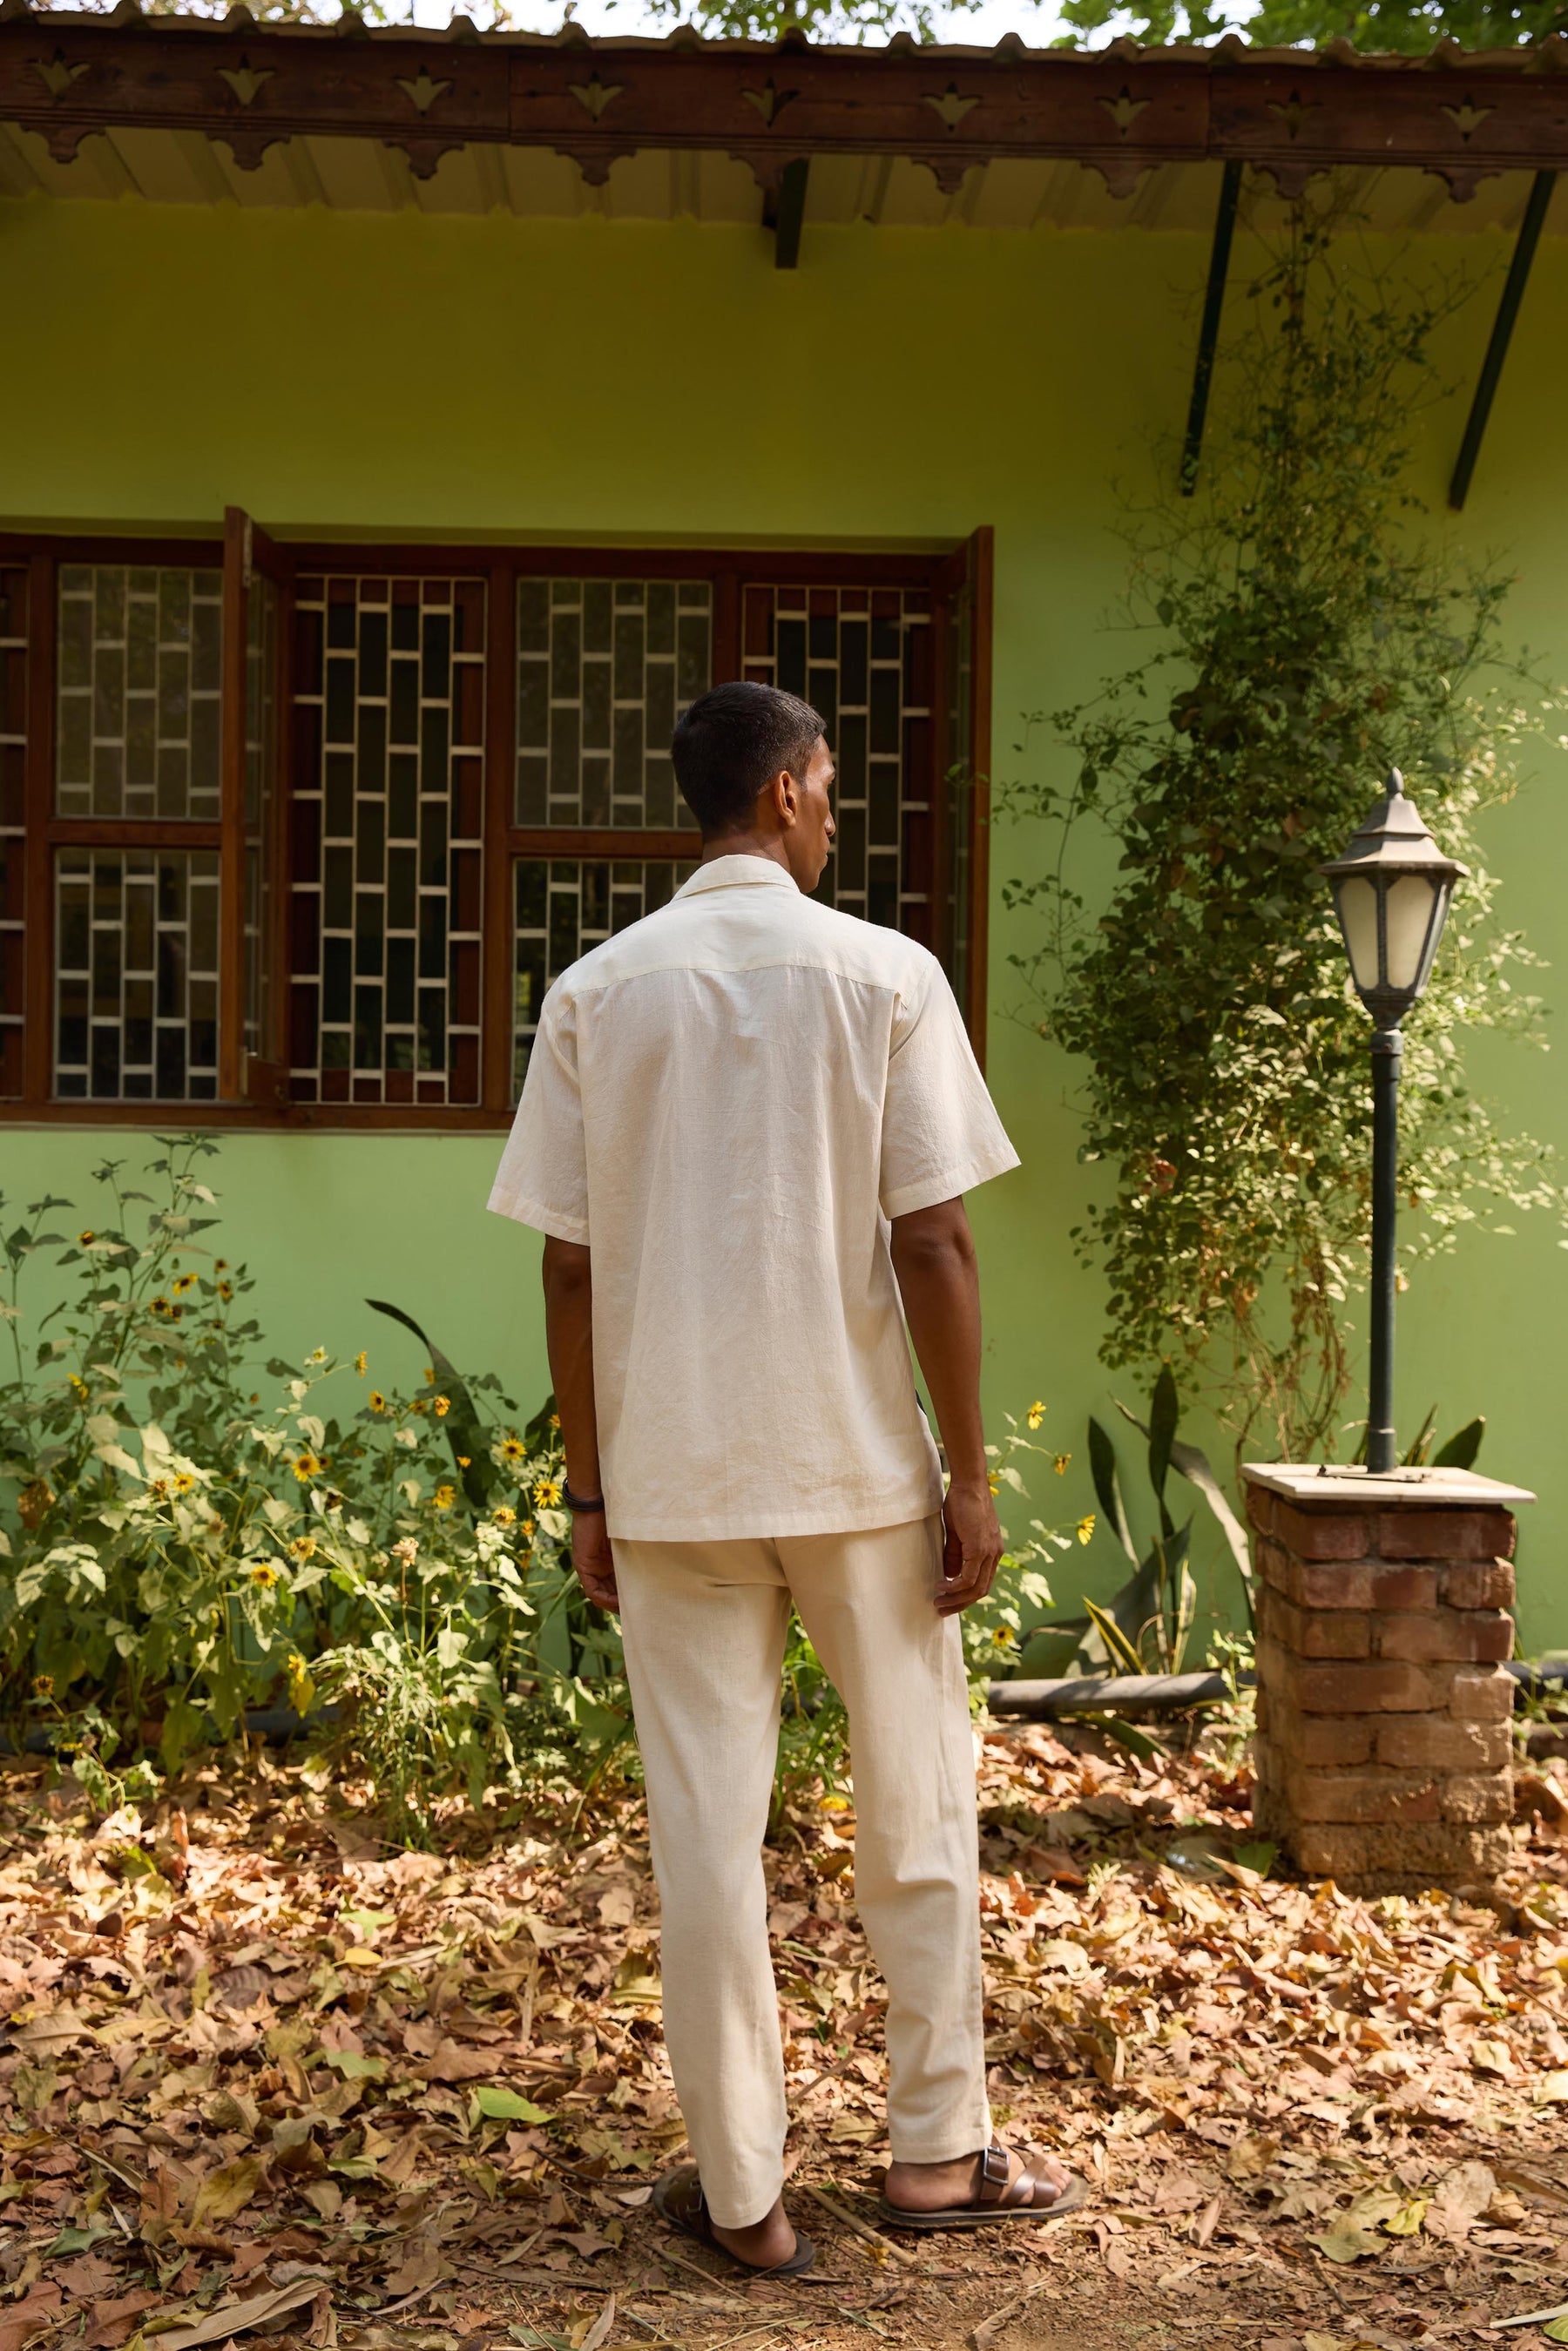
<point x="268" y="2079"/>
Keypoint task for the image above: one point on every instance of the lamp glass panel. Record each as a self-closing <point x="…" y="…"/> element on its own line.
<point x="1358" y="921"/>
<point x="1410" y="904"/>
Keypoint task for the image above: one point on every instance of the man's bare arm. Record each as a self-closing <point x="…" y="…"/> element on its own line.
<point x="938" y="1277"/>
<point x="568" y="1336"/>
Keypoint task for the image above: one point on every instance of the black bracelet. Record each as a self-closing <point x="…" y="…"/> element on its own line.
<point x="575" y="1502"/>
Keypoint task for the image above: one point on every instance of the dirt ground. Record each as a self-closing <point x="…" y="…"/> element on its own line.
<point x="267" y="2078"/>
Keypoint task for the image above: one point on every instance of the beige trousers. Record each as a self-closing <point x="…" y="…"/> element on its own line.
<point x="704" y="1626"/>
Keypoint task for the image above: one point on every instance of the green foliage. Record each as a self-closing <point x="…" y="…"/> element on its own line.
<point x="1310" y="632"/>
<point x="758" y="20"/>
<point x="823" y="20"/>
<point x="1457" y="1452"/>
<point x="1404" y="25"/>
<point x="1146" y="1626"/>
<point x="177" y="1553"/>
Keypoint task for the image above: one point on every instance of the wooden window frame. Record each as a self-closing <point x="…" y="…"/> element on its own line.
<point x="252" y="1087"/>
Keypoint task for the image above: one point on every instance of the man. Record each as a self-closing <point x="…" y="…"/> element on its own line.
<point x="746" y="1127"/>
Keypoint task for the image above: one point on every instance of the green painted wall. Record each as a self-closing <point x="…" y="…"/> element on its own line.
<point x="336" y="372"/>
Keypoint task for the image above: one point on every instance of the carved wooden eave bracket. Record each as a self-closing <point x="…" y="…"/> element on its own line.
<point x="1119" y="111"/>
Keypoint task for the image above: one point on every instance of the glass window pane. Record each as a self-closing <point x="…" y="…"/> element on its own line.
<point x="139" y="691"/>
<point x="605" y="667"/>
<point x="388" y="870"/>
<point x="1358" y="921"/>
<point x="860" y="656"/>
<point x="1407" y="918"/>
<point x="136" y="975"/>
<point x="13" y="778"/>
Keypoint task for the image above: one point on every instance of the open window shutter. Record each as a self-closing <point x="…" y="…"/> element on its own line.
<point x="251" y="1063"/>
<point x="965" y="800"/>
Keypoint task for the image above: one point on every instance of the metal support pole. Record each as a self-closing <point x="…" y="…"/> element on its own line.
<point x="1529" y="230"/>
<point x="1209" y="332"/>
<point x="1387" y="1046"/>
<point x="790" y="213"/>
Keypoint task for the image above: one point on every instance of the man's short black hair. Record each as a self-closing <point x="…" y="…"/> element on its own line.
<point x="731" y="742"/>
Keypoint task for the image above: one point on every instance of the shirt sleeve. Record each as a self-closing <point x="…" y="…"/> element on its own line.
<point x="940" y="1131"/>
<point x="542" y="1180"/>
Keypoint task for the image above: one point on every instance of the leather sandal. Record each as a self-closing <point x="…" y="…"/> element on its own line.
<point x="1004" y="2195"/>
<point x="679" y="2200"/>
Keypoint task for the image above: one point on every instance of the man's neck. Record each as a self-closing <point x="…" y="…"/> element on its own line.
<point x="746" y="844"/>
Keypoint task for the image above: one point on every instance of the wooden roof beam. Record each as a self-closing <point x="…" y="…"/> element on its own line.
<point x="1119" y="110"/>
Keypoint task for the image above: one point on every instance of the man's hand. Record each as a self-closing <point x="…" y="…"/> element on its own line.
<point x="568" y="1270"/>
<point x="934" y="1258"/>
<point x="593" y="1558"/>
<point x="973" y="1547"/>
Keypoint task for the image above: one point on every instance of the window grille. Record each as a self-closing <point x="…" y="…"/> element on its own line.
<point x="388" y="840"/>
<point x="321" y="827"/>
<point x="605" y="669"/>
<point x="862" y="656"/>
<point x="136" y="975"/>
<point x="139" y="690"/>
<point x="13" y="818"/>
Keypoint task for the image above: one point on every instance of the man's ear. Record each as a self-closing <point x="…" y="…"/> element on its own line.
<point x="787" y="797"/>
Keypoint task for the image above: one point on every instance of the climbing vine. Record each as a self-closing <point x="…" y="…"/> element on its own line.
<point x="1309" y="631"/>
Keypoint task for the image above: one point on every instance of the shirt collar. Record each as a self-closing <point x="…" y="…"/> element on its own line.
<point x="730" y="872"/>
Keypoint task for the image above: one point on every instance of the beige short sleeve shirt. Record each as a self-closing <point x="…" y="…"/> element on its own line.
<point x="726" y="1103"/>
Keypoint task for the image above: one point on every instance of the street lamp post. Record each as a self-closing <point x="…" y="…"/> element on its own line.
<point x="1391" y="892"/>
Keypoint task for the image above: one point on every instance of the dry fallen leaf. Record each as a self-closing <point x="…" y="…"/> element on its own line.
<point x="1264" y="2061"/>
<point x="228" y="2189"/>
<point x="1462" y="2195"/>
<point x="232" y="2318"/>
<point x="599" y="2331"/>
<point x="30" y="2318"/>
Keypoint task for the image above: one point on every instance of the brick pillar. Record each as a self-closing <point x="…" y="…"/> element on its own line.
<point x="1385" y="1751"/>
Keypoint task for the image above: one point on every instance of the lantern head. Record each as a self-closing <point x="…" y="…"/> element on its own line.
<point x="1391" y="892"/>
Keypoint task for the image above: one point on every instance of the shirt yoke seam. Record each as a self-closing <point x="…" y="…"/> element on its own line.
<point x="596" y="987"/>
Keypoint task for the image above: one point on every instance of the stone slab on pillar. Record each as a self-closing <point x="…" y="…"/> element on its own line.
<point x="1384" y="1743"/>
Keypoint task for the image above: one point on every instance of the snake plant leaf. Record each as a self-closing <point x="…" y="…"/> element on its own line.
<point x="1164" y="1414"/>
<point x="465" y="1429"/>
<point x="1460" y="1452"/>
<point x="1108" y="1486"/>
<point x="1416" y="1453"/>
<point x="1193" y="1466"/>
<point x="1118" y="1647"/>
<point x="1139" y="1743"/>
<point x="1175" y="1595"/>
